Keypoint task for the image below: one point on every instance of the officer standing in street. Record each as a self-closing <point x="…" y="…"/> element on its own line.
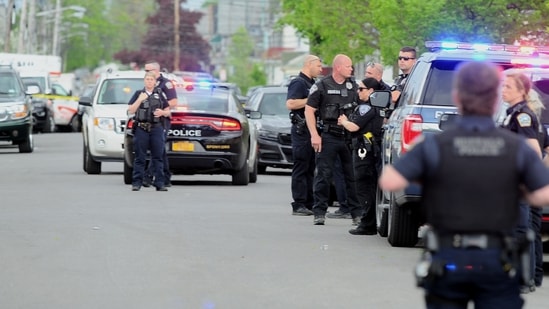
<point x="150" y="108"/>
<point x="472" y="176"/>
<point x="364" y="125"/>
<point x="168" y="89"/>
<point x="332" y="96"/>
<point x="303" y="154"/>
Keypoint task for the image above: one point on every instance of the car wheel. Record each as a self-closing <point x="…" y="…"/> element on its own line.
<point x="261" y="169"/>
<point x="90" y="165"/>
<point x="241" y="177"/>
<point x="382" y="207"/>
<point x="403" y="225"/>
<point x="253" y="173"/>
<point x="27" y="145"/>
<point x="74" y="125"/>
<point x="128" y="173"/>
<point x="49" y="125"/>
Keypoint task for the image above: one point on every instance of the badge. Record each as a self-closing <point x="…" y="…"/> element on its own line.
<point x="524" y="120"/>
<point x="363" y="109"/>
<point x="169" y="85"/>
<point x="349" y="85"/>
<point x="313" y="89"/>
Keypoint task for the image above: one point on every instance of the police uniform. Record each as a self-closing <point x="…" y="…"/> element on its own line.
<point x="302" y="152"/>
<point x="366" y="151"/>
<point x="168" y="89"/>
<point x="331" y="99"/>
<point x="150" y="135"/>
<point x="523" y="121"/>
<point x="467" y="254"/>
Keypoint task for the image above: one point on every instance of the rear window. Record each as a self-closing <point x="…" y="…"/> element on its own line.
<point x="203" y="101"/>
<point x="439" y="85"/>
<point x="274" y="104"/>
<point x="542" y="88"/>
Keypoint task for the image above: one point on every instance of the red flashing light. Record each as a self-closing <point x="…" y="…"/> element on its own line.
<point x="217" y="123"/>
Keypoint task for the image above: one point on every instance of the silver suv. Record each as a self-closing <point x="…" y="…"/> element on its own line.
<point x="104" y="118"/>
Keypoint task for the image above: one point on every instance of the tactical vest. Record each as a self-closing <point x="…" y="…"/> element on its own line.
<point x="335" y="98"/>
<point x="486" y="162"/>
<point x="145" y="112"/>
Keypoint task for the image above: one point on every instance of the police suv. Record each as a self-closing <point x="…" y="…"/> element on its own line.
<point x="424" y="99"/>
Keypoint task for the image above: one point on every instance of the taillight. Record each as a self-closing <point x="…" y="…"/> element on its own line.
<point x="218" y="123"/>
<point x="129" y="125"/>
<point x="411" y="128"/>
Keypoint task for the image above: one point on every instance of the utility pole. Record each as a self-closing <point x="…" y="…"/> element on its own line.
<point x="56" y="24"/>
<point x="23" y="30"/>
<point x="176" y="37"/>
<point x="10" y="20"/>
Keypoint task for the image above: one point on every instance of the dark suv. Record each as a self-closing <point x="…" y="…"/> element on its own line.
<point x="424" y="99"/>
<point x="15" y="110"/>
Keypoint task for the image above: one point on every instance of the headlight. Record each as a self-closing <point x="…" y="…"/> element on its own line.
<point x="18" y="111"/>
<point x="268" y="134"/>
<point x="104" y="123"/>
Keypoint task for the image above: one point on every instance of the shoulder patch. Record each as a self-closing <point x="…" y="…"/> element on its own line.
<point x="313" y="89"/>
<point x="524" y="120"/>
<point x="363" y="109"/>
<point x="169" y="85"/>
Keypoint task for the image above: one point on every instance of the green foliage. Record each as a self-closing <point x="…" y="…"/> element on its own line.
<point x="243" y="72"/>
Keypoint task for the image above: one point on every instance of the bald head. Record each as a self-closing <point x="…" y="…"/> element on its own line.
<point x="342" y="67"/>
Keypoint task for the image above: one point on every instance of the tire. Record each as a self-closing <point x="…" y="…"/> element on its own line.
<point x="382" y="215"/>
<point x="403" y="225"/>
<point x="74" y="124"/>
<point x="49" y="125"/>
<point x="91" y="166"/>
<point x="128" y="172"/>
<point x="253" y="173"/>
<point x="241" y="177"/>
<point x="27" y="146"/>
<point x="261" y="169"/>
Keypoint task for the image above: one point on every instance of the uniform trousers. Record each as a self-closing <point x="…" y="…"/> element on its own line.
<point x="142" y="142"/>
<point x="332" y="147"/>
<point x="366" y="186"/>
<point x="472" y="275"/>
<point x="535" y="223"/>
<point x="303" y="170"/>
<point x="523" y="225"/>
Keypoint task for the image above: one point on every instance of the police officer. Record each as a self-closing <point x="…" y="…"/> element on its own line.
<point x="332" y="96"/>
<point x="472" y="176"/>
<point x="365" y="124"/>
<point x="303" y="154"/>
<point x="150" y="108"/>
<point x="406" y="61"/>
<point x="168" y="89"/>
<point x="375" y="70"/>
<point x="522" y="120"/>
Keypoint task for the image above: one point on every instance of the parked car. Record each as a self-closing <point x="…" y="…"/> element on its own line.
<point x="274" y="127"/>
<point x="424" y="99"/>
<point x="15" y="110"/>
<point x="104" y="118"/>
<point x="42" y="112"/>
<point x="209" y="134"/>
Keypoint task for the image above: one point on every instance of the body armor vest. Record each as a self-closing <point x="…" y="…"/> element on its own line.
<point x="335" y="99"/>
<point x="145" y="112"/>
<point x="487" y="204"/>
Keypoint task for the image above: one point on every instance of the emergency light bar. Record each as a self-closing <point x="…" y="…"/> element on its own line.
<point x="528" y="50"/>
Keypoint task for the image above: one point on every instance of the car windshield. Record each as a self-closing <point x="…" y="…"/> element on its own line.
<point x="41" y="81"/>
<point x="119" y="91"/>
<point x="203" y="101"/>
<point x="9" y="87"/>
<point x="273" y="104"/>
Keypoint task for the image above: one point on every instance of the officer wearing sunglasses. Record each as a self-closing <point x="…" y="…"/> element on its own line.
<point x="406" y="61"/>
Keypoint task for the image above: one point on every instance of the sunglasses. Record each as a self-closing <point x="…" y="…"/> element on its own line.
<point x="405" y="58"/>
<point x="362" y="88"/>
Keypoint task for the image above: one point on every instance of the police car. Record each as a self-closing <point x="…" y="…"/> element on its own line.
<point x="424" y="99"/>
<point x="209" y="134"/>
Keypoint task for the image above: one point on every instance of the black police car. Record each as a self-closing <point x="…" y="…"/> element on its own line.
<point x="425" y="98"/>
<point x="15" y="110"/>
<point x="42" y="111"/>
<point x="274" y="139"/>
<point x="209" y="134"/>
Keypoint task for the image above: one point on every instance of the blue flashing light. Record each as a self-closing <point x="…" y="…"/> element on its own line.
<point x="449" y="45"/>
<point x="477" y="46"/>
<point x="451" y="267"/>
<point x="479" y="57"/>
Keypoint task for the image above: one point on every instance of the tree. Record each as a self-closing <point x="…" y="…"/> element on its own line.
<point x="243" y="72"/>
<point x="159" y="41"/>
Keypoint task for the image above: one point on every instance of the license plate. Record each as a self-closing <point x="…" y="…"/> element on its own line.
<point x="182" y="146"/>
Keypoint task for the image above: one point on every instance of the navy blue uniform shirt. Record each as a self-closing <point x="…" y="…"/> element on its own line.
<point x="167" y="87"/>
<point x="423" y="158"/>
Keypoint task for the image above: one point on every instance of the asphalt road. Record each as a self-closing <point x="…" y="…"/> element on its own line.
<point x="71" y="241"/>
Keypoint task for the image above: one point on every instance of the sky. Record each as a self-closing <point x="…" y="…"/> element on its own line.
<point x="193" y="4"/>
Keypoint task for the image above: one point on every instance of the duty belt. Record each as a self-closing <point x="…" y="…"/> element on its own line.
<point x="147" y="126"/>
<point x="436" y="241"/>
<point x="333" y="129"/>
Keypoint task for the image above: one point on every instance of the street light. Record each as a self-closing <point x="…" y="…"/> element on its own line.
<point x="78" y="13"/>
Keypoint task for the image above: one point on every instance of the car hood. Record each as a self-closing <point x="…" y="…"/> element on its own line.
<point x="18" y="99"/>
<point x="275" y="123"/>
<point x="111" y="110"/>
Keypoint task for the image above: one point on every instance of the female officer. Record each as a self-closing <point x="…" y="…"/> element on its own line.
<point x="365" y="126"/>
<point x="522" y="120"/>
<point x="149" y="106"/>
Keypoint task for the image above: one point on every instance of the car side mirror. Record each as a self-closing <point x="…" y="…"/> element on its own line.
<point x="447" y="121"/>
<point x="32" y="89"/>
<point x="253" y="114"/>
<point x="381" y="98"/>
<point x="87" y="101"/>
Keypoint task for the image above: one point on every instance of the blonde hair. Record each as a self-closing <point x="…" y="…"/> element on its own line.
<point x="534" y="103"/>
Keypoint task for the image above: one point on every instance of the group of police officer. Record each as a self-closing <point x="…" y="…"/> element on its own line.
<point x="466" y="257"/>
<point x="151" y="107"/>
